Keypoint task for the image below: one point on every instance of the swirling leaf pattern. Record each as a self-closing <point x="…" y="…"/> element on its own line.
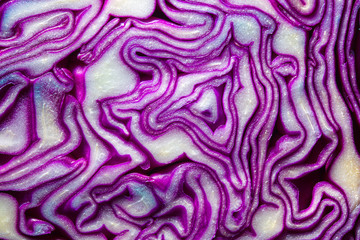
<point x="179" y="119"/>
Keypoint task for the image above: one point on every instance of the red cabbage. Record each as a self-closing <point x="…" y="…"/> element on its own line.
<point x="179" y="119"/>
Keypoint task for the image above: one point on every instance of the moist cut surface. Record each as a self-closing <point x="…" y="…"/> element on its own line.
<point x="179" y="119"/>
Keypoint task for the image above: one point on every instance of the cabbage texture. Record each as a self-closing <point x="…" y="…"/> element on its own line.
<point x="179" y="119"/>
